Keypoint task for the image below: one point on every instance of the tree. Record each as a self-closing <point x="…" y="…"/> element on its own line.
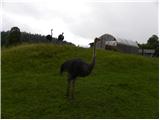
<point x="14" y="36"/>
<point x="4" y="38"/>
<point x="153" y="42"/>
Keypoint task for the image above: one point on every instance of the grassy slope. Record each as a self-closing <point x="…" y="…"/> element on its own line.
<point x="120" y="86"/>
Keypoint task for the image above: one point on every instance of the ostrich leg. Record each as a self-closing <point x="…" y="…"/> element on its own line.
<point x="73" y="89"/>
<point x="68" y="87"/>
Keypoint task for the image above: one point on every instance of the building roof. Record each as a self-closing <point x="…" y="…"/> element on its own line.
<point x="109" y="37"/>
<point x="127" y="42"/>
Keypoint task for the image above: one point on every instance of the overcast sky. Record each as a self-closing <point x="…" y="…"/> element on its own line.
<point x="82" y="21"/>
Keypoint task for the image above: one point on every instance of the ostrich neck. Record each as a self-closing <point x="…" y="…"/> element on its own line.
<point x="92" y="64"/>
<point x="51" y="33"/>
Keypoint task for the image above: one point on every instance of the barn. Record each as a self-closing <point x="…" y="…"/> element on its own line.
<point x="111" y="43"/>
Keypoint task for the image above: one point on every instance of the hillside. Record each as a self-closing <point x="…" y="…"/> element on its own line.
<point x="120" y="86"/>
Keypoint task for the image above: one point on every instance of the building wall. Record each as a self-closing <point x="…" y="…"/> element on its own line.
<point x="127" y="49"/>
<point x="101" y="44"/>
<point x="147" y="52"/>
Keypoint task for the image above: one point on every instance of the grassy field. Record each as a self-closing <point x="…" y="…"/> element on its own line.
<point x="120" y="86"/>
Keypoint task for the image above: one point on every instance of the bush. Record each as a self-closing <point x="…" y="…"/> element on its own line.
<point x="14" y="36"/>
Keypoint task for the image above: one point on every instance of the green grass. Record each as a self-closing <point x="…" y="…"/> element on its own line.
<point x="120" y="86"/>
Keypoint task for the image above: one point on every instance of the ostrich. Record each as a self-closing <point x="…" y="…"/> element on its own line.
<point x="49" y="37"/>
<point x="61" y="37"/>
<point x="77" y="68"/>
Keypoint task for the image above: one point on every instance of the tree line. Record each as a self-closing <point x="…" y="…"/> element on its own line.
<point x="15" y="36"/>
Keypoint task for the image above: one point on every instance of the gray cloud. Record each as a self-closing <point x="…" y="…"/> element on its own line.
<point x="135" y="21"/>
<point x="130" y="20"/>
<point x="22" y="9"/>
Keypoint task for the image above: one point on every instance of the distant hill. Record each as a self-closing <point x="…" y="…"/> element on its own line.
<point x="120" y="86"/>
